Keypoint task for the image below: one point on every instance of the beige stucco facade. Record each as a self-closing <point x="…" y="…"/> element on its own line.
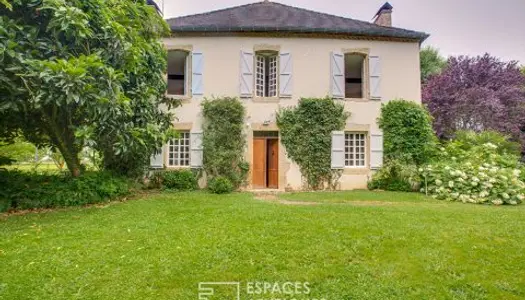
<point x="311" y="77"/>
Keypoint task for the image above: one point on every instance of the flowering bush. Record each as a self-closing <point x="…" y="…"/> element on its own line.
<point x="481" y="174"/>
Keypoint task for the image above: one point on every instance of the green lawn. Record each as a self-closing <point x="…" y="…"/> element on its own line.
<point x="348" y="245"/>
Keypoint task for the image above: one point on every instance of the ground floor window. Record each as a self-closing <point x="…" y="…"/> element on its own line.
<point x="355" y="149"/>
<point x="179" y="150"/>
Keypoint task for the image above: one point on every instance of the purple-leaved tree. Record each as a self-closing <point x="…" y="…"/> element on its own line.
<point x="477" y="93"/>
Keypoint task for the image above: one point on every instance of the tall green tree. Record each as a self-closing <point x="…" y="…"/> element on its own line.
<point x="82" y="73"/>
<point x="432" y="63"/>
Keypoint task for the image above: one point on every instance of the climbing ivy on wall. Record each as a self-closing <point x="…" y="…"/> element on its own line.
<point x="306" y="133"/>
<point x="224" y="141"/>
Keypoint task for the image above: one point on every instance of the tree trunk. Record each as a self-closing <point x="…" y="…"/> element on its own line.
<point x="64" y="141"/>
<point x="72" y="161"/>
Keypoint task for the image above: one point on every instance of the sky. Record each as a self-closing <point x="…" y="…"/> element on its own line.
<point x="457" y="27"/>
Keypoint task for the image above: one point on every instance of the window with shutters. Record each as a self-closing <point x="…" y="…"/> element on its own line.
<point x="178" y="72"/>
<point x="179" y="150"/>
<point x="266" y="73"/>
<point x="355" y="75"/>
<point x="355" y="149"/>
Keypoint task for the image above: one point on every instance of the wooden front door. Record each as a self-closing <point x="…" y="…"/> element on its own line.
<point x="265" y="165"/>
<point x="273" y="163"/>
<point x="259" y="163"/>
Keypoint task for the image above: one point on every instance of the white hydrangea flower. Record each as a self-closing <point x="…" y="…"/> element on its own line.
<point x="520" y="197"/>
<point x="505" y="195"/>
<point x="490" y="146"/>
<point x="451" y="184"/>
<point x="454" y="195"/>
<point x="439" y="182"/>
<point x="512" y="202"/>
<point x="420" y="170"/>
<point x="474" y="183"/>
<point x="516" y="172"/>
<point x="447" y="168"/>
<point x="497" y="202"/>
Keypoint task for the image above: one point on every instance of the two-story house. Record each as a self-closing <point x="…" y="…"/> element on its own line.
<point x="270" y="55"/>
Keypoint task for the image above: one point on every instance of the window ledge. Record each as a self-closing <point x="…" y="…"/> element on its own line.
<point x="266" y="99"/>
<point x="182" y="98"/>
<point x="179" y="97"/>
<point x="356" y="99"/>
<point x="356" y="171"/>
<point x="178" y="167"/>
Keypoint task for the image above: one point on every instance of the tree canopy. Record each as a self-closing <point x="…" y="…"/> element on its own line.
<point x="82" y="73"/>
<point x="477" y="93"/>
<point x="432" y="63"/>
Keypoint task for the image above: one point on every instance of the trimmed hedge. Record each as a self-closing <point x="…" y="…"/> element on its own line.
<point x="21" y="190"/>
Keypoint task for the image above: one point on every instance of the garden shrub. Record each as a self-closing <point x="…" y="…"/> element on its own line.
<point x="306" y="133"/>
<point x="224" y="140"/>
<point x="474" y="174"/>
<point x="396" y="175"/>
<point x="180" y="180"/>
<point x="407" y="132"/>
<point x="220" y="185"/>
<point x="22" y="190"/>
<point x="466" y="139"/>
<point x="408" y="141"/>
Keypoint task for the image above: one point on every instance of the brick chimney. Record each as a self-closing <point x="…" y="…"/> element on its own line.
<point x="384" y="15"/>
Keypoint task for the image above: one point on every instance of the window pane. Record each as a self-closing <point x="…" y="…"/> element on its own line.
<point x="260" y="70"/>
<point x="272" y="92"/>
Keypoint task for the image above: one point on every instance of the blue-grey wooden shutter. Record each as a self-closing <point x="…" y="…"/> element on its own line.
<point x="246" y="70"/>
<point x="375" y="77"/>
<point x="337" y="69"/>
<point x="376" y="150"/>
<point x="285" y="74"/>
<point x="197" y="66"/>
<point x="157" y="160"/>
<point x="338" y="150"/>
<point x="196" y="156"/>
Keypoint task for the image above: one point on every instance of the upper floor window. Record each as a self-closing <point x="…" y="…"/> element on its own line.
<point x="354" y="74"/>
<point x="266" y="73"/>
<point x="178" y="72"/>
